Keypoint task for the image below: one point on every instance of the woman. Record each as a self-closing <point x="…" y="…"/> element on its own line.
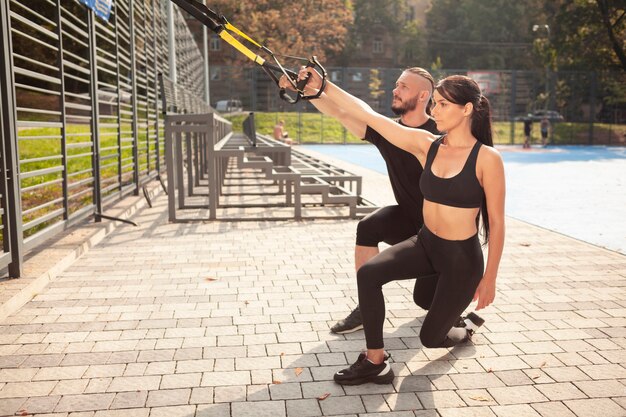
<point x="463" y="180"/>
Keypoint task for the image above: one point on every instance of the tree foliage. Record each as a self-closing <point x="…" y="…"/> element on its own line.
<point x="479" y="34"/>
<point x="414" y="47"/>
<point x="372" y="14"/>
<point x="384" y="17"/>
<point x="304" y="28"/>
<point x="498" y="34"/>
<point x="375" y="84"/>
<point x="589" y="35"/>
<point x="561" y="35"/>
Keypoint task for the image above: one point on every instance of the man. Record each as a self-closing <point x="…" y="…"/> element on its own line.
<point x="528" y="128"/>
<point x="545" y="129"/>
<point x="393" y="224"/>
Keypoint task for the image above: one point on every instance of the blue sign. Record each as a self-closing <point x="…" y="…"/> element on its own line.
<point x="102" y="8"/>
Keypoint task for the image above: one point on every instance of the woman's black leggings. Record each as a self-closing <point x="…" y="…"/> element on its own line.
<point x="458" y="265"/>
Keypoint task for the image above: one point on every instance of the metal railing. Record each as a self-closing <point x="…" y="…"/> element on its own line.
<point x="81" y="119"/>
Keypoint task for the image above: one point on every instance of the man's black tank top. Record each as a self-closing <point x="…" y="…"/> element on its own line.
<point x="463" y="190"/>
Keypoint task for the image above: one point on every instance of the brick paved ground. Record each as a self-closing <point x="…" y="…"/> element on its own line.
<point x="231" y="320"/>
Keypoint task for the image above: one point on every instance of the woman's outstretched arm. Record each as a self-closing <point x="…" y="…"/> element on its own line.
<point x="415" y="141"/>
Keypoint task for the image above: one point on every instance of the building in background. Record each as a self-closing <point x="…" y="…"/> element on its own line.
<point x="388" y="45"/>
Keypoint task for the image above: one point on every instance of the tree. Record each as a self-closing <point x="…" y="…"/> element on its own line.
<point x="380" y="18"/>
<point x="479" y="34"/>
<point x="414" y="46"/>
<point x="374" y="86"/>
<point x="589" y="35"/>
<point x="305" y="28"/>
<point x="614" y="23"/>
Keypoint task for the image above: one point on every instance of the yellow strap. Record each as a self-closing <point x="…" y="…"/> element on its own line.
<point x="241" y="48"/>
<point x="243" y="35"/>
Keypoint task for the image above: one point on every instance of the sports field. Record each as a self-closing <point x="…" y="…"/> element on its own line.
<point x="579" y="191"/>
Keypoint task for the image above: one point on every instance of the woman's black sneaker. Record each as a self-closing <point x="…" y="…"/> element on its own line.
<point x="363" y="371"/>
<point x="472" y="322"/>
<point x="460" y="322"/>
<point x="350" y="324"/>
<point x="476" y="320"/>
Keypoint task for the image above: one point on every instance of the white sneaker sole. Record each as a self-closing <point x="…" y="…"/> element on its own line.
<point x="354" y="329"/>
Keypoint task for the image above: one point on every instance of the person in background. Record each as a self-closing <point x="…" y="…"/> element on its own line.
<point x="280" y="133"/>
<point x="545" y="130"/>
<point x="528" y="129"/>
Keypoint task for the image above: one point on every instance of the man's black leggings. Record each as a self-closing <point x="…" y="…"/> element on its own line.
<point x="392" y="225"/>
<point x="452" y="270"/>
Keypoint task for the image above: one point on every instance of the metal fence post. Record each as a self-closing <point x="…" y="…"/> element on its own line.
<point x="212" y="174"/>
<point x="95" y="114"/>
<point x="12" y="219"/>
<point x="592" y="105"/>
<point x="170" y="156"/>
<point x="254" y="88"/>
<point x="133" y="69"/>
<point x="157" y="163"/>
<point x="205" y="54"/>
<point x="513" y="104"/>
<point x="554" y="76"/>
<point x="179" y="157"/>
<point x="189" y="138"/>
<point x="171" y="41"/>
<point x="300" y="125"/>
<point x="63" y="113"/>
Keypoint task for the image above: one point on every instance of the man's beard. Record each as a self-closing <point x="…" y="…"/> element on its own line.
<point x="405" y="107"/>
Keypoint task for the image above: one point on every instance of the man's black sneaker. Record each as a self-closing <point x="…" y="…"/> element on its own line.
<point x="350" y="324"/>
<point x="363" y="371"/>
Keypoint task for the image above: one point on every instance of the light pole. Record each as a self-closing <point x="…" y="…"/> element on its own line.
<point x="536" y="28"/>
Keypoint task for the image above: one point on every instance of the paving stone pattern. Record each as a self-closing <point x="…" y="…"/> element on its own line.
<point x="230" y="319"/>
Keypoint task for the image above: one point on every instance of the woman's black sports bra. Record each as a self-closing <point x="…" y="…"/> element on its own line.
<point x="463" y="190"/>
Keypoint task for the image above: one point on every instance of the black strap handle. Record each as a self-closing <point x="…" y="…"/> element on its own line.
<point x="315" y="63"/>
<point x="299" y="87"/>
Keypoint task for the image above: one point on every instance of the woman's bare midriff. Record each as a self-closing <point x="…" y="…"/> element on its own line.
<point x="450" y="223"/>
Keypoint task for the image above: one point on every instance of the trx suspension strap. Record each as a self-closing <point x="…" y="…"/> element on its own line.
<point x="218" y="24"/>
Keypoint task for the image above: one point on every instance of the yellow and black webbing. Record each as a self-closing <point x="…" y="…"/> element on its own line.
<point x="223" y="28"/>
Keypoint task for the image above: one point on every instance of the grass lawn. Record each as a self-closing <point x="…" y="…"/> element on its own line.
<point x="316" y="128"/>
<point x="41" y="166"/>
<point x="303" y="127"/>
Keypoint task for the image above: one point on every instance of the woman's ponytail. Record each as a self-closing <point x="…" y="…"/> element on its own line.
<point x="481" y="121"/>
